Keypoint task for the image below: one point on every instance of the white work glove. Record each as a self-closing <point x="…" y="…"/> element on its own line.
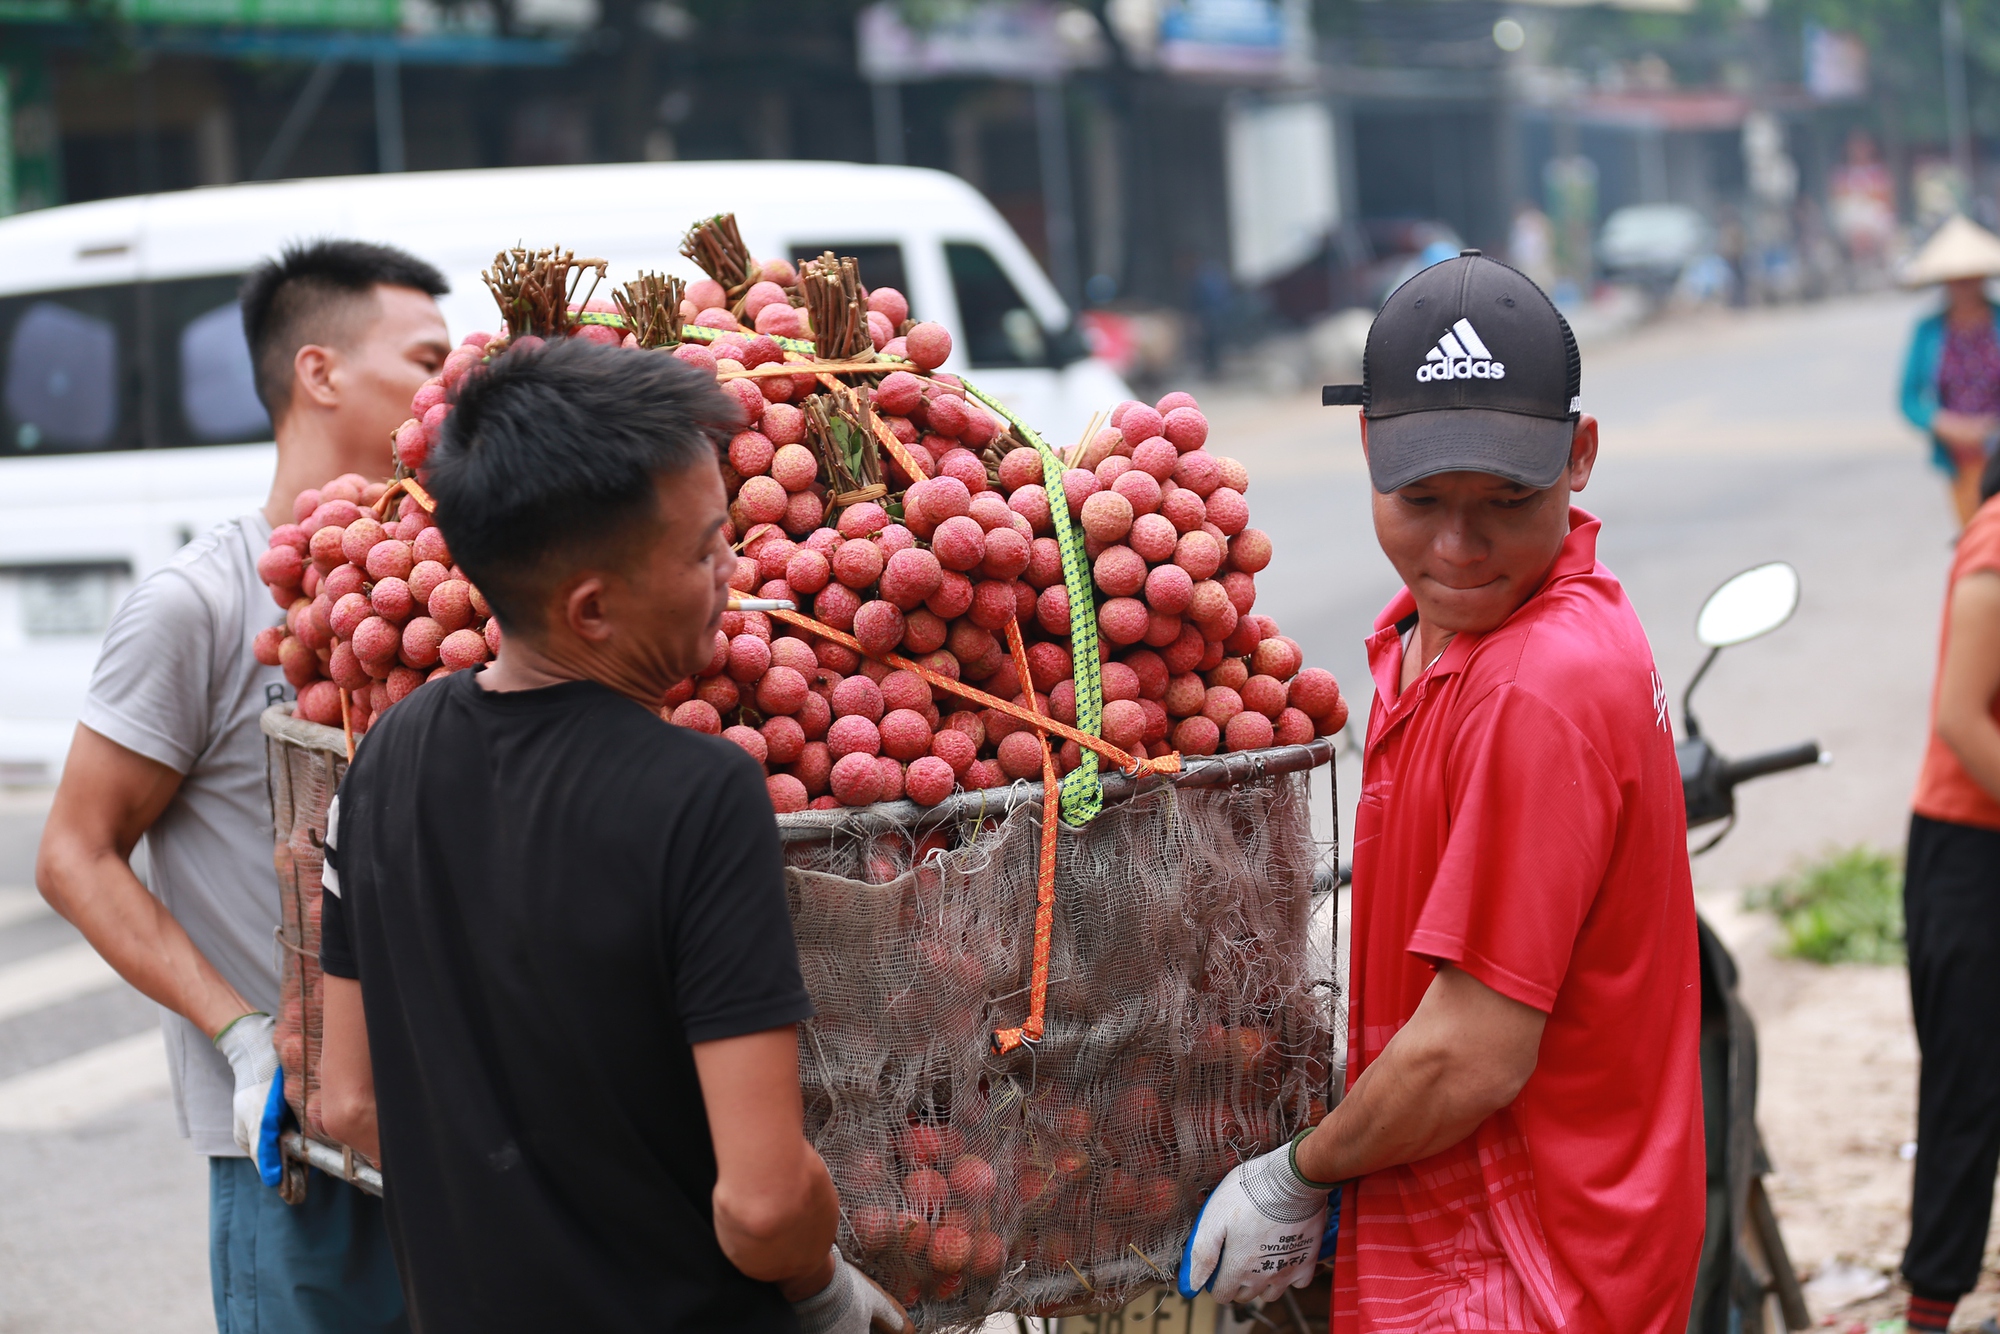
<point x="253" y="1057"/>
<point x="1258" y="1233"/>
<point x="851" y="1304"/>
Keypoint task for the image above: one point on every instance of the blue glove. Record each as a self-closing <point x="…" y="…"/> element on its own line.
<point x="270" y="1158"/>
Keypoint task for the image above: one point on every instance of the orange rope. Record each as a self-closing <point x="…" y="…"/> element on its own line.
<point x="1130" y="765"/>
<point x="409" y="484"/>
<point x="346" y="725"/>
<point x="1006" y="1040"/>
<point x="883" y="435"/>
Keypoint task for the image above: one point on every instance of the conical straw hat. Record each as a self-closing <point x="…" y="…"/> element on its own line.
<point x="1959" y="249"/>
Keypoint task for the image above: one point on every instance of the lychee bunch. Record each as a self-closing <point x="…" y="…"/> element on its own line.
<point x="937" y="572"/>
<point x="373" y="605"/>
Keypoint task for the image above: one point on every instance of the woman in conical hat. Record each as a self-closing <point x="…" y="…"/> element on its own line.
<point x="1951" y="380"/>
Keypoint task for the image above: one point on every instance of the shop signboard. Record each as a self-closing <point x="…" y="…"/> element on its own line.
<point x="217" y="13"/>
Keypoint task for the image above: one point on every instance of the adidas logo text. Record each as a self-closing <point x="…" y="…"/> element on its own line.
<point x="1460" y="355"/>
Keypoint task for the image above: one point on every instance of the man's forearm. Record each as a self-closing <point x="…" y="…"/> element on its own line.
<point x="786" y="1242"/>
<point x="1463" y="1056"/>
<point x="97" y="892"/>
<point x="1398" y="1112"/>
<point x="347" y="1072"/>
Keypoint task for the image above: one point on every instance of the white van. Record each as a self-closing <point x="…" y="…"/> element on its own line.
<point x="127" y="418"/>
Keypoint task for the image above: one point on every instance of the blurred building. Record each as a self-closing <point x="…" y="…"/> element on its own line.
<point x="1243" y="161"/>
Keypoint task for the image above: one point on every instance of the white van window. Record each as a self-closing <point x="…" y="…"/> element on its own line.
<point x="881" y="263"/>
<point x="200" y="380"/>
<point x="137" y="366"/>
<point x="218" y="386"/>
<point x="1000" y="328"/>
<point x="62" y="379"/>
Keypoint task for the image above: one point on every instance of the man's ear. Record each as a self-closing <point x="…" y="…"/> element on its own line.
<point x="583" y="611"/>
<point x="1582" y="452"/>
<point x="313" y="370"/>
<point x="1364" y="436"/>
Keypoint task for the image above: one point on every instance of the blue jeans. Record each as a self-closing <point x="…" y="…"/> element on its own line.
<point x="320" y="1267"/>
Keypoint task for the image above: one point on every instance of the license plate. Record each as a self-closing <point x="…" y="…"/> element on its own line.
<point x="1160" y="1312"/>
<point x="74" y="600"/>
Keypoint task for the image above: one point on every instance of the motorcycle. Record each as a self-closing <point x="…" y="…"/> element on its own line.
<point x="1746" y="1283"/>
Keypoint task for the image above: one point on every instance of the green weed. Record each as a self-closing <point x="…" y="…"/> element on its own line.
<point x="1846" y="907"/>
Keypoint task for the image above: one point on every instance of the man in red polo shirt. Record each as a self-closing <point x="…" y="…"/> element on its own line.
<point x="1520" y="1144"/>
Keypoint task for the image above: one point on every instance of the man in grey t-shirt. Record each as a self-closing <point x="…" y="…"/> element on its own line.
<point x="341" y="334"/>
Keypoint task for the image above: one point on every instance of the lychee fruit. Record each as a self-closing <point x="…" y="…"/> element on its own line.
<point x="1107" y="516"/>
<point x="1248" y="730"/>
<point x="1020" y="755"/>
<point x="1197" y="736"/>
<point x="1186" y="427"/>
<point x="879" y="627"/>
<point x="928" y="780"/>
<point x="697" y="715"/>
<point x="953" y="596"/>
<point x="749" y="658"/>
<point x="862" y="519"/>
<point x="1156" y="456"/>
<point x="905" y="734"/>
<point x="788" y="794"/>
<point x="899" y="393"/>
<point x="959" y="542"/>
<point x="783" y="739"/>
<point x="1264" y="694"/>
<point x="928" y="345"/>
<point x="794" y="467"/>
<point x="1124" y="724"/>
<point x="1142" y="489"/>
<point x="1120" y="571"/>
<point x="751" y="452"/>
<point x="1314" y="692"/>
<point x="992" y="604"/>
<point x="857" y="564"/>
<point x="1123" y="620"/>
<point x="856" y="780"/>
<point x="910" y="576"/>
<point x="782" y="690"/>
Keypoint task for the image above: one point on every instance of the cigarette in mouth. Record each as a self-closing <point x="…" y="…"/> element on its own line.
<point x="762" y="604"/>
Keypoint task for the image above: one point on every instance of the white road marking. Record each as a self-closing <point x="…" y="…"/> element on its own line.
<point x="21" y="905"/>
<point x="84" y="1085"/>
<point x="55" y="975"/>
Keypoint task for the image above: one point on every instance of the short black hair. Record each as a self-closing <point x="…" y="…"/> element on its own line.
<point x="549" y="457"/>
<point x="307" y="294"/>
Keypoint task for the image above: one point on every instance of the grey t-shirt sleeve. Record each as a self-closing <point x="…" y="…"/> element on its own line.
<point x="153" y="689"/>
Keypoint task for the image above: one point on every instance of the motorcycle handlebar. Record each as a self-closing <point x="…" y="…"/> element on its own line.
<point x="1770" y="762"/>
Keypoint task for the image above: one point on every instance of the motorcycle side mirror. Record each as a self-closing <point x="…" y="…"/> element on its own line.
<point x="1753" y="603"/>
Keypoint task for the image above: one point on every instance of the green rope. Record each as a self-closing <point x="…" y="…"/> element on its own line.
<point x="1082" y="792"/>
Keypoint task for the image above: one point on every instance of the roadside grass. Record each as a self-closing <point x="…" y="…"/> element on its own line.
<point x="1844" y="907"/>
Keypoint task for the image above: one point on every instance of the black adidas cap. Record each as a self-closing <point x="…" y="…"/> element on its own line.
<point x="1469" y="367"/>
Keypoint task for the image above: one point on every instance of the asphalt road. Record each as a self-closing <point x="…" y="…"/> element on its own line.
<point x="1729" y="440"/>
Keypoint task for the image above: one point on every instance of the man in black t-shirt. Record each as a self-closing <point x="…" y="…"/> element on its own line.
<point x="561" y="988"/>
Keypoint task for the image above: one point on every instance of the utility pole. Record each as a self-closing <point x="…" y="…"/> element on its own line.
<point x="1958" y="116"/>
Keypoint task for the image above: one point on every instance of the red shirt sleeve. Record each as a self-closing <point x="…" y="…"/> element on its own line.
<point x="1534" y="814"/>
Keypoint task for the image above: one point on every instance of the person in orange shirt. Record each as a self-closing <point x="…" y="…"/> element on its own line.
<point x="1951" y="902"/>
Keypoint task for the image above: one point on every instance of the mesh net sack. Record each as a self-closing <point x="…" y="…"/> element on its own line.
<point x="1189" y="1016"/>
<point x="1188" y="1019"/>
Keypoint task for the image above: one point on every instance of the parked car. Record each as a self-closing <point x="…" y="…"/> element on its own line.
<point x="128" y="422"/>
<point x="1652" y="245"/>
